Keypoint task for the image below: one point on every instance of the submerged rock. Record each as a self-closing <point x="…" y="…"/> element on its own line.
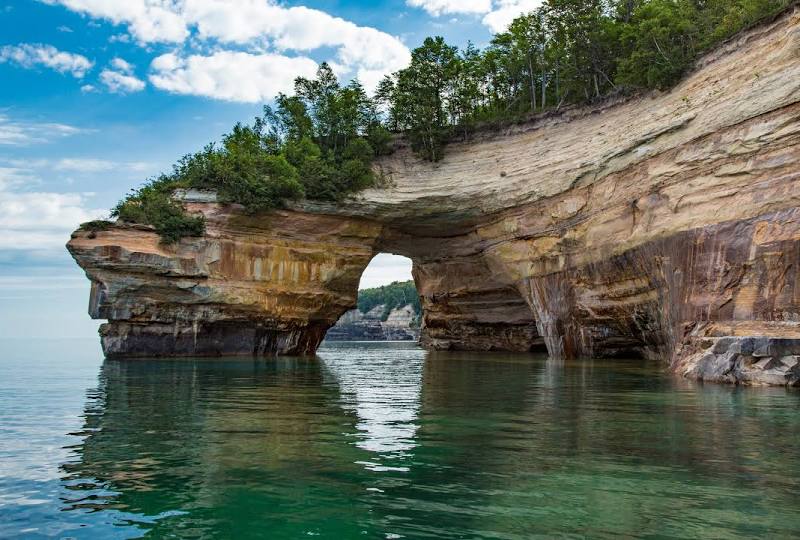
<point x="666" y="226"/>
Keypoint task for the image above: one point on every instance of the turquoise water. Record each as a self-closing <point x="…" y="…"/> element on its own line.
<point x="386" y="441"/>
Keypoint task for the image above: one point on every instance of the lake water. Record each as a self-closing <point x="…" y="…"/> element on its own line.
<point x="386" y="441"/>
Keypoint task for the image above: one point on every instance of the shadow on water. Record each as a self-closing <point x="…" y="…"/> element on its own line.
<point x="389" y="441"/>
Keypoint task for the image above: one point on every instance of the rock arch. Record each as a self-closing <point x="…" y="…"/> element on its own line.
<point x="666" y="225"/>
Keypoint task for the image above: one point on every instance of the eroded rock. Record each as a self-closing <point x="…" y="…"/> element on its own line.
<point x="665" y="226"/>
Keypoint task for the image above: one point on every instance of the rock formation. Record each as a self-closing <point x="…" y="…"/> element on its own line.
<point x="667" y="225"/>
<point x="400" y="325"/>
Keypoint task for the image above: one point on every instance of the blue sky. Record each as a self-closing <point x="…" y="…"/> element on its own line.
<point x="98" y="95"/>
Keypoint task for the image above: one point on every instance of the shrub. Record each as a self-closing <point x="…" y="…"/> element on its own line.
<point x="153" y="205"/>
<point x="314" y="145"/>
<point x="96" y="226"/>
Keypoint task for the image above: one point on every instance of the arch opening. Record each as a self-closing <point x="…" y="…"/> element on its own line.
<point x="388" y="306"/>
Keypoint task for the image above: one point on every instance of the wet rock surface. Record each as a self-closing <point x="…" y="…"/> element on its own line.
<point x="745" y="360"/>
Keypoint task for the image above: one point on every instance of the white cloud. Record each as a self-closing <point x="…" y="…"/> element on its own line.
<point x="265" y="29"/>
<point x="121" y="83"/>
<point x="441" y="7"/>
<point x="18" y="133"/>
<point x="33" y="55"/>
<point x="84" y="165"/>
<point x="120" y="79"/>
<point x="15" y="176"/>
<point x="231" y="76"/>
<point x="497" y="14"/>
<point x="148" y="21"/>
<point x="92" y="165"/>
<point x="505" y="11"/>
<point x="65" y="29"/>
<point x="384" y="269"/>
<point x="41" y="220"/>
<point x="297" y="28"/>
<point x="121" y="65"/>
<point x="35" y="221"/>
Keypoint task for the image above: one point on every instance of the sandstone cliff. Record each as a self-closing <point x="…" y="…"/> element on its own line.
<point x="400" y="325"/>
<point x="667" y="225"/>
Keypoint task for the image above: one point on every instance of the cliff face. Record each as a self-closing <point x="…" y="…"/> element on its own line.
<point x="667" y="226"/>
<point x="400" y="325"/>
<point x="267" y="285"/>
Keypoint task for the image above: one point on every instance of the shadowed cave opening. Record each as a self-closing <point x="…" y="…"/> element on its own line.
<point x="388" y="306"/>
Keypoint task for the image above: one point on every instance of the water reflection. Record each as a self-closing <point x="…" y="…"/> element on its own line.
<point x="383" y="392"/>
<point x="390" y="441"/>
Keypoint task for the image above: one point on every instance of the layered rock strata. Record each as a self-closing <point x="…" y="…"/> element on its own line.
<point x="267" y="285"/>
<point x="657" y="226"/>
<point x="400" y="325"/>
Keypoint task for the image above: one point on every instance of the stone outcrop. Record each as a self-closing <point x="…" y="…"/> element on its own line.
<point x="656" y="226"/>
<point x="400" y="325"/>
<point x="267" y="285"/>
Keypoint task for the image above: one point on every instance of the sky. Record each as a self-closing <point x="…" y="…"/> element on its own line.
<point x="96" y="96"/>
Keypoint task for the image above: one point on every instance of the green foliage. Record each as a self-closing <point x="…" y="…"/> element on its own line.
<point x="420" y="96"/>
<point x="317" y="144"/>
<point x="153" y="205"/>
<point x="660" y="43"/>
<point x="563" y="52"/>
<point x="393" y="296"/>
<point x="96" y="225"/>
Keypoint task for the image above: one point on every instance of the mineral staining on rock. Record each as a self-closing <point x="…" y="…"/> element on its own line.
<point x="267" y="285"/>
<point x="666" y="226"/>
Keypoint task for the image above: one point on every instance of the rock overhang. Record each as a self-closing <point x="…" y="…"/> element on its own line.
<point x="626" y="228"/>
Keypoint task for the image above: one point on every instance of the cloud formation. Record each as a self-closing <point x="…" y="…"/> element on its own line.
<point x="149" y="21"/>
<point x="229" y="75"/>
<point x="38" y="220"/>
<point x="92" y="165"/>
<point x="41" y="220"/>
<point x="21" y="133"/>
<point x="30" y="56"/>
<point x="253" y="33"/>
<point x="505" y="11"/>
<point x="497" y="14"/>
<point x="449" y="7"/>
<point x="119" y="79"/>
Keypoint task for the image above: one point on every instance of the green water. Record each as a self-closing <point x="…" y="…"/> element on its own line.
<point x="386" y="441"/>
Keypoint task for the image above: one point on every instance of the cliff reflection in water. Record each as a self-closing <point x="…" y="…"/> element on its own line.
<point x="378" y="440"/>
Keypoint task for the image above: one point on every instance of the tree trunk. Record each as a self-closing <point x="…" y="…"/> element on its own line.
<point x="544" y="90"/>
<point x="558" y="79"/>
<point x="533" y="83"/>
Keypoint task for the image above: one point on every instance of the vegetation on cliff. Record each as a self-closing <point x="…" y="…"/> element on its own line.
<point x="320" y="142"/>
<point x="393" y="296"/>
<point x="564" y="52"/>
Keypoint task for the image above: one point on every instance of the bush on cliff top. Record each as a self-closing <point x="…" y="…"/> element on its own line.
<point x="318" y="144"/>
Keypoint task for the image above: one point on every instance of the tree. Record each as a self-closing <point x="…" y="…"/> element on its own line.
<point x="423" y="92"/>
<point x="659" y="43"/>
